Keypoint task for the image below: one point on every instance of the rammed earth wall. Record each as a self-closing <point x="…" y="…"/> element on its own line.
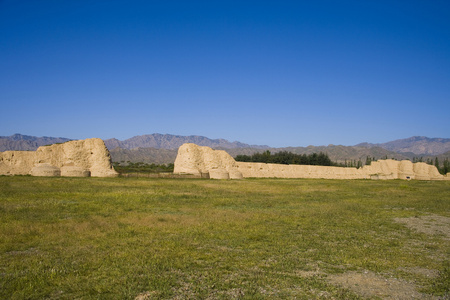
<point x="193" y="159"/>
<point x="80" y="158"/>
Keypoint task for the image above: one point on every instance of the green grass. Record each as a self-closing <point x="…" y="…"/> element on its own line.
<point x="116" y="238"/>
<point x="141" y="167"/>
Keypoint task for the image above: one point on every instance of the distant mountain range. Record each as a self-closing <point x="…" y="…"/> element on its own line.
<point x="27" y="142"/>
<point x="168" y="141"/>
<point x="419" y="145"/>
<point x="162" y="148"/>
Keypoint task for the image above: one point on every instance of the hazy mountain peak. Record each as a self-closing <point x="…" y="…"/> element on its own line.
<point x="419" y="145"/>
<point x="169" y="141"/>
<point x="26" y="142"/>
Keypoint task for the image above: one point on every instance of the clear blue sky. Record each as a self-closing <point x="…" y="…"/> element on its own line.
<point x="280" y="73"/>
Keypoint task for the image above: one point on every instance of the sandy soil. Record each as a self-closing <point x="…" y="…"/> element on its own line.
<point x="369" y="284"/>
<point x="431" y="224"/>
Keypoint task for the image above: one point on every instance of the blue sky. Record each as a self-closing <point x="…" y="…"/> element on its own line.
<point x="280" y="73"/>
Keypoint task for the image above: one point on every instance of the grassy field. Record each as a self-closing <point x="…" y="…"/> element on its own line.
<point x="127" y="238"/>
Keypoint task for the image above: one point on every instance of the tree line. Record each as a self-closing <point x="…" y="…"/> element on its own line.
<point x="288" y="158"/>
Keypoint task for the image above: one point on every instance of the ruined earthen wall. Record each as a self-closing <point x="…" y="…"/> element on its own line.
<point x="74" y="158"/>
<point x="16" y="162"/>
<point x="383" y="169"/>
<point x="193" y="159"/>
<point x="261" y="170"/>
<point x="198" y="160"/>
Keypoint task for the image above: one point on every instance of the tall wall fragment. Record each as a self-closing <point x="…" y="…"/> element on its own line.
<point x="80" y="158"/>
<point x="218" y="164"/>
<point x="201" y="160"/>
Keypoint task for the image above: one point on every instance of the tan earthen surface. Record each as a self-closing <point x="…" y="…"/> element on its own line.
<point x="197" y="160"/>
<point x="75" y="158"/>
<point x="193" y="159"/>
<point x="45" y="169"/>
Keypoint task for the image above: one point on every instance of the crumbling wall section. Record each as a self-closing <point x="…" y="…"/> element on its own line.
<point x="193" y="159"/>
<point x="263" y="170"/>
<point x="16" y="162"/>
<point x="200" y="160"/>
<point x="75" y="158"/>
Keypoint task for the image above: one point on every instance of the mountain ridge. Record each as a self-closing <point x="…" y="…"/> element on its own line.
<point x="27" y="142"/>
<point x="419" y="145"/>
<point x="155" y="145"/>
<point x="169" y="141"/>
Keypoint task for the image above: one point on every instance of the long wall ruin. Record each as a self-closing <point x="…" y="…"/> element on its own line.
<point x="90" y="157"/>
<point x="80" y="158"/>
<point x="217" y="164"/>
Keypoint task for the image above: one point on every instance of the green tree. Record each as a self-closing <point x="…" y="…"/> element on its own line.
<point x="446" y="167"/>
<point x="285" y="157"/>
<point x="436" y="163"/>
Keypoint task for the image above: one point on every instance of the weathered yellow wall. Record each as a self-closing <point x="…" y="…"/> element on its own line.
<point x="297" y="171"/>
<point x="198" y="160"/>
<point x="195" y="159"/>
<point x="383" y="169"/>
<point x="16" y="162"/>
<point x="74" y="157"/>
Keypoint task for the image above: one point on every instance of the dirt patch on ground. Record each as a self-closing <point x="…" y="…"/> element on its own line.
<point x="421" y="271"/>
<point x="431" y="224"/>
<point x="147" y="296"/>
<point x="369" y="284"/>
